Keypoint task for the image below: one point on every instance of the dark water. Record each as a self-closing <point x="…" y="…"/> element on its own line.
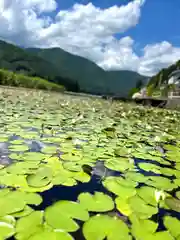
<point x="70" y="193"/>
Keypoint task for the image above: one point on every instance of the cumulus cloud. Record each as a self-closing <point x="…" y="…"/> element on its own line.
<point x="85" y="30"/>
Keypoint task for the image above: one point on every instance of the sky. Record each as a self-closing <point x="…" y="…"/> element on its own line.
<point x="137" y="35"/>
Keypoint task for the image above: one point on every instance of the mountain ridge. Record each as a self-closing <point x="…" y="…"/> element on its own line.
<point x="76" y="73"/>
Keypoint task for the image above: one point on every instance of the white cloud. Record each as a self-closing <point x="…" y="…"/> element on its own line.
<point x="84" y="30"/>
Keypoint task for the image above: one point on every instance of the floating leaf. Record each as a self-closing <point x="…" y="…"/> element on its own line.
<point x="164" y="235"/>
<point x="18" y="148"/>
<point x="120" y="164"/>
<point x="26" y="211"/>
<point x="173" y="225"/>
<point x="161" y="183"/>
<point x="148" y="195"/>
<point x="41" y="178"/>
<point x="6" y="230"/>
<point x="28" y="225"/>
<point x="123" y="206"/>
<point x="178" y="195"/>
<point x="99" y="202"/>
<point x="150" y="167"/>
<point x="120" y="187"/>
<point x="51" y="235"/>
<point x="173" y="203"/>
<point x="141" y="229"/>
<point x="101" y="226"/>
<point x="66" y="212"/>
<point x="11" y="204"/>
<point x="49" y="149"/>
<point x="142" y="209"/>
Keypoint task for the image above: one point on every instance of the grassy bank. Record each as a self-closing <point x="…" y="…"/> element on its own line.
<point x="9" y="78"/>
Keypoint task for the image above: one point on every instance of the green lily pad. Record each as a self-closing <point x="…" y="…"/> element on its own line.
<point x="63" y="179"/>
<point x="26" y="211"/>
<point x="123" y="206"/>
<point x="150" y="167"/>
<point x="164" y="235"/>
<point x="137" y="177"/>
<point x="122" y="188"/>
<point x="173" y="225"/>
<point x="141" y="229"/>
<point x="8" y="219"/>
<point x="51" y="235"/>
<point x="120" y="164"/>
<point x="29" y="225"/>
<point x="72" y="166"/>
<point x="49" y="149"/>
<point x="100" y="227"/>
<point x="7" y="230"/>
<point x="17" y="142"/>
<point x="99" y="202"/>
<point x="148" y="195"/>
<point x="141" y="208"/>
<point x="66" y="212"/>
<point x="18" y="148"/>
<point x="173" y="203"/>
<point x="71" y="157"/>
<point x="161" y="183"/>
<point x="33" y="156"/>
<point x="41" y="178"/>
<point x="178" y="195"/>
<point x="81" y="176"/>
<point x="22" y="168"/>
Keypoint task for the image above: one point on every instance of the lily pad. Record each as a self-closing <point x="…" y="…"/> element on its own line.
<point x="148" y="195"/>
<point x="10" y="205"/>
<point x="100" y="227"/>
<point x="6" y="230"/>
<point x="49" y="149"/>
<point x="120" y="164"/>
<point x="66" y="212"/>
<point x="150" y="167"/>
<point x="99" y="202"/>
<point x="41" y="178"/>
<point x="173" y="225"/>
<point x="123" y="206"/>
<point x="51" y="235"/>
<point x="19" y="148"/>
<point x="122" y="188"/>
<point x="28" y="225"/>
<point x="141" y="208"/>
<point x="173" y="203"/>
<point x="178" y="195"/>
<point x="141" y="229"/>
<point x="161" y="183"/>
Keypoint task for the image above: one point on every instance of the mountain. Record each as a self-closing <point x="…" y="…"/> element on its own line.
<point x="74" y="72"/>
<point x="21" y="61"/>
<point x="162" y="77"/>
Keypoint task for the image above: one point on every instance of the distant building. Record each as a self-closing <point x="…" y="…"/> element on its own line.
<point x="174" y="84"/>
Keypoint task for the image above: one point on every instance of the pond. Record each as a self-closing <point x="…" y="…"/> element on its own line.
<point x="87" y="169"/>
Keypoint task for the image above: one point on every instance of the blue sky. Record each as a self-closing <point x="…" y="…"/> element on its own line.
<point x="159" y="20"/>
<point x="115" y="34"/>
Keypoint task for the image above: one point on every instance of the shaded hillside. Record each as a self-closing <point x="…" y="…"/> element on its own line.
<point x="91" y="77"/>
<point x="74" y="72"/>
<point x="19" y="60"/>
<point x="8" y="78"/>
<point x="162" y="76"/>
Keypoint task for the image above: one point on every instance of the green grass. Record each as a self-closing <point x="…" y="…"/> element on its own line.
<point x="9" y="78"/>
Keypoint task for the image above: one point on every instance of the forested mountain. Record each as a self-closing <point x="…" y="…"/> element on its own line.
<point x="74" y="72"/>
<point x="162" y="76"/>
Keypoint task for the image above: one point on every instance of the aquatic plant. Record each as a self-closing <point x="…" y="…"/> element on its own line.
<point x="78" y="166"/>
